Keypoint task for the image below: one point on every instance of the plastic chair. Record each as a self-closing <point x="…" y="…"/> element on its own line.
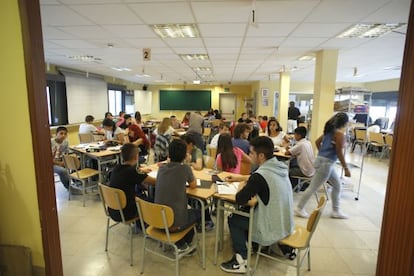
<point x="299" y="239"/>
<point x="245" y="168"/>
<point x="305" y="179"/>
<point x="209" y="162"/>
<point x="159" y="219"/>
<point x="388" y="143"/>
<point x="84" y="176"/>
<point x="115" y="199"/>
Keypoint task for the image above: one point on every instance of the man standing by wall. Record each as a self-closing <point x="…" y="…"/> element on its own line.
<point x="293" y="116"/>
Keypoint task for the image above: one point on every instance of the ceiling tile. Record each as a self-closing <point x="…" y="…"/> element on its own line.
<point x="320" y="29"/>
<point x="87" y="32"/>
<point x="73" y="43"/>
<point x="222" y="30"/>
<point x="55" y="33"/>
<point x="163" y="13"/>
<point x="61" y="16"/>
<point x="263" y="42"/>
<point x="219" y="42"/>
<point x="272" y="30"/>
<point x="227" y="11"/>
<point x="130" y="31"/>
<point x="283" y="11"/>
<point x="108" y="13"/>
<point x="303" y="42"/>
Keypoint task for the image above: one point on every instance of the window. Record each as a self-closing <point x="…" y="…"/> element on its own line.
<point x="120" y="99"/>
<point x="115" y="101"/>
<point x="57" y="102"/>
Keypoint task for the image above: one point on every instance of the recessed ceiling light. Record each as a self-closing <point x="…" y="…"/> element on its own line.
<point x="369" y="30"/>
<point x="121" y="69"/>
<point x="307" y="58"/>
<point x="176" y="30"/>
<point x="84" y="58"/>
<point x="196" y="81"/>
<point x="392" y="68"/>
<point x="208" y="69"/>
<point x="194" y="56"/>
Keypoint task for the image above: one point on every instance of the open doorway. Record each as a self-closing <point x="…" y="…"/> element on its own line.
<point x="227" y="104"/>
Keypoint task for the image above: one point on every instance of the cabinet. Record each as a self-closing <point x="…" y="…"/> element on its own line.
<point x="356" y="103"/>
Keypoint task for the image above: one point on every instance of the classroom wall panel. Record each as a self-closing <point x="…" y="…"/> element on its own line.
<point x="143" y="101"/>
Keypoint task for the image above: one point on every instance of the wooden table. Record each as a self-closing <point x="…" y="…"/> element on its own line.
<point x="102" y="157"/>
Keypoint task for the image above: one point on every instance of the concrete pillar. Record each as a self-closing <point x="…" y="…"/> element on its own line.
<point x="284" y="87"/>
<point x="324" y="90"/>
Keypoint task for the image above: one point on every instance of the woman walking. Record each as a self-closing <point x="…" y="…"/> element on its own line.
<point x="331" y="147"/>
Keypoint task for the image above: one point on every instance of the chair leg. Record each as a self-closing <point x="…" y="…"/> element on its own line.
<point x="143" y="254"/>
<point x="257" y="258"/>
<point x="130" y="249"/>
<point x="177" y="269"/>
<point x="309" y="260"/>
<point x="107" y="234"/>
<point x="298" y="262"/>
<point x="70" y="185"/>
<point x="83" y="191"/>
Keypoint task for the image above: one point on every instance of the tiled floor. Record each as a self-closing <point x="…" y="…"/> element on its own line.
<point x="339" y="247"/>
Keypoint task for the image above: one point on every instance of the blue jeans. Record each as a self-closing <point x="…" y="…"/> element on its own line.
<point x="239" y="227"/>
<point x="63" y="175"/>
<point x="325" y="171"/>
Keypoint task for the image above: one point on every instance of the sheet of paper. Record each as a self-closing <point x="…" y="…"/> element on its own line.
<point x="227" y="188"/>
<point x="198" y="183"/>
<point x="153" y="174"/>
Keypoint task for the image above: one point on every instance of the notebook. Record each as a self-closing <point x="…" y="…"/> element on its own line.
<point x="227" y="188"/>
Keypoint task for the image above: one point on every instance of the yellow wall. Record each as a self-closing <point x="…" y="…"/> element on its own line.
<point x="383" y="86"/>
<point x="19" y="212"/>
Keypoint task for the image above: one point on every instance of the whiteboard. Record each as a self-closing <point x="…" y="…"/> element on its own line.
<point x="85" y="96"/>
<point x="143" y="101"/>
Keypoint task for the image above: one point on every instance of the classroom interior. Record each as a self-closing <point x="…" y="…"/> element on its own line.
<point x="339" y="247"/>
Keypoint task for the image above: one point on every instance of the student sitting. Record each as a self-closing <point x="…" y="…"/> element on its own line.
<point x="129" y="179"/>
<point x="174" y="122"/>
<point x="194" y="156"/>
<point x="223" y="129"/>
<point x="88" y="127"/>
<point x="241" y="133"/>
<point x="136" y="136"/>
<point x="302" y="151"/>
<point x="170" y="190"/>
<point x="275" y="132"/>
<point x="229" y="158"/>
<point x="112" y="132"/>
<point x="268" y="190"/>
<point x="60" y="146"/>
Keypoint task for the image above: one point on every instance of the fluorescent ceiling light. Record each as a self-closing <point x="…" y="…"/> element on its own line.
<point x="121" y="69"/>
<point x="194" y="56"/>
<point x="84" y="58"/>
<point x="392" y="68"/>
<point x="307" y="58"/>
<point x="196" y="81"/>
<point x="207" y="69"/>
<point x="143" y="75"/>
<point x="176" y="30"/>
<point x="370" y="30"/>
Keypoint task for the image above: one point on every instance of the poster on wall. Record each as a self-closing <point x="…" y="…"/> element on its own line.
<point x="265" y="92"/>
<point x="265" y="102"/>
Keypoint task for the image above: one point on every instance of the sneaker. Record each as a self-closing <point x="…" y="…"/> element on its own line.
<point x="191" y="252"/>
<point x="236" y="265"/>
<point x="209" y="225"/>
<point x="182" y="249"/>
<point x="301" y="213"/>
<point x="338" y="215"/>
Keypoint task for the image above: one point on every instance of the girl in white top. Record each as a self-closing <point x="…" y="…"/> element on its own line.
<point x="274" y="131"/>
<point x="112" y="132"/>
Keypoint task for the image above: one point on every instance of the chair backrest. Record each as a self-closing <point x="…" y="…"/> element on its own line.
<point x="207" y="132"/>
<point x="376" y="138"/>
<point x="212" y="152"/>
<point x="112" y="197"/>
<point x="72" y="163"/>
<point x="208" y="161"/>
<point x="361" y="134"/>
<point x="245" y="168"/>
<point x="216" y="122"/>
<point x="85" y="138"/>
<point x="388" y="140"/>
<point x="154" y="214"/>
<point x="315" y="216"/>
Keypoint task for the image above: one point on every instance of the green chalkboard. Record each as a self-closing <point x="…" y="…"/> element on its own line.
<point x="185" y="100"/>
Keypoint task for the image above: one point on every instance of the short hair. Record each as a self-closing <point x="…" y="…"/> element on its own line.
<point x="127" y="116"/>
<point x="188" y="138"/>
<point x="263" y="144"/>
<point x="301" y="131"/>
<point x="89" y="118"/>
<point x="173" y="117"/>
<point x="177" y="150"/>
<point x="264" y="118"/>
<point x="239" y="129"/>
<point x="108" y="122"/>
<point x="129" y="151"/>
<point x="61" y="128"/>
<point x="223" y="125"/>
<point x="107" y="113"/>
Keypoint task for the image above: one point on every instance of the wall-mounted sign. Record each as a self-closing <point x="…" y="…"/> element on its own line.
<point x="146" y="54"/>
